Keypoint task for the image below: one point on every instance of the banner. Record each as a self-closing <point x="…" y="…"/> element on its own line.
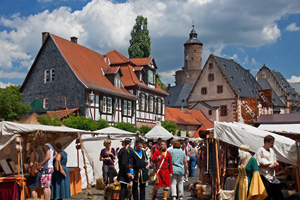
<point x="265" y="97"/>
<point x="249" y="109"/>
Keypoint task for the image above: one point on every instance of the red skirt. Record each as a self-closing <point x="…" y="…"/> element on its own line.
<point x="164" y="178"/>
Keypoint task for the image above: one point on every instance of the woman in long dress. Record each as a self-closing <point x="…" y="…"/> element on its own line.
<point x="248" y="184"/>
<point x="60" y="188"/>
<point x="108" y="156"/>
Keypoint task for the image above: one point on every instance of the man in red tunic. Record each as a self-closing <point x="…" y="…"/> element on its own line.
<point x="163" y="162"/>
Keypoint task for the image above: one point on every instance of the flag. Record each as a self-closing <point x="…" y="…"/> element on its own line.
<point x="249" y="109"/>
<point x="265" y="97"/>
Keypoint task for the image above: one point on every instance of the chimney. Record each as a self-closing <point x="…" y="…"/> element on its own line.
<point x="74" y="39"/>
<point x="181" y="108"/>
<point x="44" y="36"/>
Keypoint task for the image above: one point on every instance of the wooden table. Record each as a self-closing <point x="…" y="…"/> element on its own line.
<point x="21" y="181"/>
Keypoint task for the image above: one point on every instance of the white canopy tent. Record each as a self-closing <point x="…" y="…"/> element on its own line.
<point x="159" y="132"/>
<point x="284" y="128"/>
<point x="92" y="146"/>
<point x="237" y="134"/>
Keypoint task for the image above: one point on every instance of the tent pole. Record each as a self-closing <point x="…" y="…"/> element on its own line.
<point x="217" y="164"/>
<point x="89" y="195"/>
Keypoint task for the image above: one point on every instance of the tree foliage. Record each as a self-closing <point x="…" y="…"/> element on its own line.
<point x="11" y="107"/>
<point x="51" y="120"/>
<point x="84" y="123"/>
<point x="144" y="129"/>
<point x="126" y="126"/>
<point x="170" y="126"/>
<point x="140" y="43"/>
<point x="160" y="83"/>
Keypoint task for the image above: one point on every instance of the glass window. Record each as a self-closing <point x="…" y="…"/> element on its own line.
<point x="104" y="105"/>
<point x="223" y="110"/>
<point x="51" y="74"/>
<point x="125" y="108"/>
<point x="151" y="104"/>
<point x="159" y="106"/>
<point x="109" y="105"/>
<point x="129" y="111"/>
<point x="204" y="91"/>
<point x="210" y="112"/>
<point x="45" y="103"/>
<point x="220" y="89"/>
<point x="143" y="102"/>
<point x="211" y="77"/>
<point x="46" y="76"/>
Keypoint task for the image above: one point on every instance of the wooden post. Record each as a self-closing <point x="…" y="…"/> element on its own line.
<point x="217" y="164"/>
<point x="89" y="195"/>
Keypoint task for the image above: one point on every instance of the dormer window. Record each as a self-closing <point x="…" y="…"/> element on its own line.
<point x="141" y="76"/>
<point x="151" y="76"/>
<point x="117" y="81"/>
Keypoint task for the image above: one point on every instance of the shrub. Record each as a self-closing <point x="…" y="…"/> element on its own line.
<point x="144" y="129"/>
<point x="170" y="126"/>
<point x="51" y="120"/>
<point x="84" y="123"/>
<point x="126" y="126"/>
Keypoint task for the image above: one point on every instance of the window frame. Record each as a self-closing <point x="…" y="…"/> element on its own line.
<point x="45" y="103"/>
<point x="151" y="106"/>
<point x="211" y="77"/>
<point x="143" y="99"/>
<point x="204" y="91"/>
<point x="47" y="76"/>
<point x="125" y="107"/>
<point x="159" y="102"/>
<point x="104" y="106"/>
<point x="109" y="105"/>
<point x="52" y="74"/>
<point x="129" y="108"/>
<point x="219" y="89"/>
<point x="223" y="110"/>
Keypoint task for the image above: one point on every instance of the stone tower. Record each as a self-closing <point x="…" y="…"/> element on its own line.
<point x="192" y="60"/>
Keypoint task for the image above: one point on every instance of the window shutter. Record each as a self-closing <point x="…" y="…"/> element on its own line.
<point x="132" y="108"/>
<point x="140" y="102"/>
<point x="100" y="104"/>
<point x="114" y="105"/>
<point x="146" y="103"/>
<point x="161" y="106"/>
<point x="155" y="105"/>
<point x="122" y="107"/>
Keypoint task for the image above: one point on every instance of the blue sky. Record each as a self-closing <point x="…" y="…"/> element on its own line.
<point x="253" y="33"/>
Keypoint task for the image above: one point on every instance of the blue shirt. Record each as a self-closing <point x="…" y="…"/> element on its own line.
<point x="178" y="157"/>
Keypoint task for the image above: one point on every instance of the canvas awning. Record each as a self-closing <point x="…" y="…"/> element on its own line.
<point x="159" y="132"/>
<point x="113" y="131"/>
<point x="237" y="134"/>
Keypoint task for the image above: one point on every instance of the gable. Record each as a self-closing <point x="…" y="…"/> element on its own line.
<point x="220" y="79"/>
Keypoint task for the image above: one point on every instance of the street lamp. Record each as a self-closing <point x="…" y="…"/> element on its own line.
<point x="91" y="97"/>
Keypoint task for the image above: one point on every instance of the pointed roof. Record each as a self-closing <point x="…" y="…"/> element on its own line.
<point x="36" y="107"/>
<point x="62" y="113"/>
<point x="87" y="66"/>
<point x="241" y="79"/>
<point x="116" y="57"/>
<point x="159" y="132"/>
<point x="193" y="38"/>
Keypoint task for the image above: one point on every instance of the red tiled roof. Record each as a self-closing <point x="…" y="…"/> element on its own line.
<point x="138" y="68"/>
<point x="111" y="70"/>
<point x="62" y="113"/>
<point x="129" y="77"/>
<point x="192" y="117"/>
<point x="116" y="57"/>
<point x="141" y="61"/>
<point x="87" y="64"/>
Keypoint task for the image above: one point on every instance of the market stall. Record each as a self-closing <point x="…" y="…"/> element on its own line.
<point x="233" y="135"/>
<point x="15" y="139"/>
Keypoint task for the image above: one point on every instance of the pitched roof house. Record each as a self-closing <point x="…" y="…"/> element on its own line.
<point x="66" y="75"/>
<point x="139" y="77"/>
<point x="219" y="89"/>
<point x="190" y="120"/>
<point x="287" y="94"/>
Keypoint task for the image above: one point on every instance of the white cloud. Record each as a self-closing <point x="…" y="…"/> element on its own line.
<point x="12" y="75"/>
<point x="292" y="27"/>
<point x="4" y="85"/>
<point x="253" y="61"/>
<point x="103" y="25"/>
<point x="167" y="77"/>
<point x="294" y="79"/>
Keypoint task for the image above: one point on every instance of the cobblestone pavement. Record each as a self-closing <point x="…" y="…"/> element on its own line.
<point x="98" y="194"/>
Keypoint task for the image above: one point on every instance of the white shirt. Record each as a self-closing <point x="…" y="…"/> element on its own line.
<point x="265" y="157"/>
<point x="49" y="163"/>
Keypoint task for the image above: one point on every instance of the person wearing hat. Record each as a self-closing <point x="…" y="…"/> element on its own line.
<point x="248" y="184"/>
<point x="140" y="169"/>
<point x="125" y="163"/>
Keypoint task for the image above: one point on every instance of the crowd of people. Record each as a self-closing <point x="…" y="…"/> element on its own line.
<point x="48" y="166"/>
<point x="170" y="166"/>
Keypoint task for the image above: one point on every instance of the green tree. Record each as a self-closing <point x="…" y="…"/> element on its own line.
<point x="170" y="126"/>
<point x="160" y="83"/>
<point x="140" y="44"/>
<point x="126" y="126"/>
<point x="144" y="129"/>
<point x="51" y="120"/>
<point x="11" y="107"/>
<point x="84" y="123"/>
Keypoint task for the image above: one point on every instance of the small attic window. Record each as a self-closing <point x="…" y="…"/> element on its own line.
<point x="252" y="92"/>
<point x="236" y="69"/>
<point x="243" y="72"/>
<point x="251" y="83"/>
<point x="244" y="80"/>
<point x="210" y="66"/>
<point x="224" y="66"/>
<point x="239" y="89"/>
<point x="182" y="100"/>
<point x="169" y="102"/>
<point x="232" y="78"/>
